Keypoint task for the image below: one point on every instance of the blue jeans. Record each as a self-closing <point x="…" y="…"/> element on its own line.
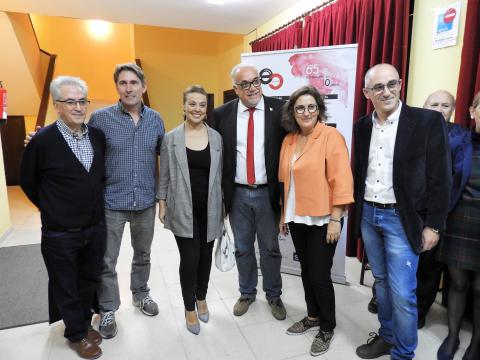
<point x="394" y="266"/>
<point x="252" y="215"/>
<point x="142" y="223"/>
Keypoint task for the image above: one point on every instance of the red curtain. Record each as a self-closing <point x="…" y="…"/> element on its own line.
<point x="287" y="38"/>
<point x="469" y="77"/>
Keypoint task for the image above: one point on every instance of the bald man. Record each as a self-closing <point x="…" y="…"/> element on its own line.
<point x="402" y="191"/>
<point x="441" y="101"/>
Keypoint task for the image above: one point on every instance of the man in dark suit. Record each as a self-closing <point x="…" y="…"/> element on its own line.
<point x="252" y="137"/>
<point x="402" y="191"/>
<point x="62" y="173"/>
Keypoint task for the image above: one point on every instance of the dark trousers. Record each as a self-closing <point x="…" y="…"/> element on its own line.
<point x="429" y="273"/>
<point x="195" y="262"/>
<point x="316" y="259"/>
<point x="73" y="260"/>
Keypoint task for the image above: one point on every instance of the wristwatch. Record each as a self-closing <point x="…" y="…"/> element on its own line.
<point x="436" y="231"/>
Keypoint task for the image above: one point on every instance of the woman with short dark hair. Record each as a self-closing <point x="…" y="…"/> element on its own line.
<point x="317" y="184"/>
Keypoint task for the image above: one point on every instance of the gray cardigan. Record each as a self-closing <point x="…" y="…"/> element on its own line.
<point x="174" y="184"/>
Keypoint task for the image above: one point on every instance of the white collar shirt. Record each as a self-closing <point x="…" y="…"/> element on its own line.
<point x="379" y="180"/>
<point x="259" y="144"/>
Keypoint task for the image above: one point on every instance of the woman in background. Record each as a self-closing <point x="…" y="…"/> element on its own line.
<point x="317" y="187"/>
<point x="460" y="248"/>
<point x="190" y="200"/>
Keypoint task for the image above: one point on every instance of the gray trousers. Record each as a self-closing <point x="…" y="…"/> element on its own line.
<point x="142" y="223"/>
<point x="252" y="216"/>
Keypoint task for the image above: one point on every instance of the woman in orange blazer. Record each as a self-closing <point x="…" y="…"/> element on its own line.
<point x="317" y="186"/>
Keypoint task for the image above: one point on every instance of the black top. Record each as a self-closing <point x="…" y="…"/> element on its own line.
<point x="199" y="169"/>
<point x="67" y="196"/>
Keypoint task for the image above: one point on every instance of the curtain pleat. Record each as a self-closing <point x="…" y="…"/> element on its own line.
<point x="469" y="77"/>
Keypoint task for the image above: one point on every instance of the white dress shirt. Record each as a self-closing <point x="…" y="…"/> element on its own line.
<point x="258" y="142"/>
<point x="379" y="181"/>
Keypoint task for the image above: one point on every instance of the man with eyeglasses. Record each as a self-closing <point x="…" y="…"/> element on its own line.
<point x="62" y="173"/>
<point x="402" y="190"/>
<point x="252" y="138"/>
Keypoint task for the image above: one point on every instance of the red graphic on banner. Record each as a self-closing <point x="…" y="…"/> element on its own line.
<point x="276" y="81"/>
<point x="449" y="15"/>
<point x="322" y="72"/>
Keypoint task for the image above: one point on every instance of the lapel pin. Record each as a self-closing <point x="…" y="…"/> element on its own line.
<point x="271" y="109"/>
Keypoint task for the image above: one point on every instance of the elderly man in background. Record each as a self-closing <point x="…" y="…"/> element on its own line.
<point x="62" y="173"/>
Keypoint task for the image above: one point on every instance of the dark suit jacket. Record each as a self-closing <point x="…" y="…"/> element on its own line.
<point x="225" y="120"/>
<point x="421" y="170"/>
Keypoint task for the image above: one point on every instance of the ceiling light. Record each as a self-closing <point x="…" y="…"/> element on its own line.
<point x="99" y="29"/>
<point x="216" y="2"/>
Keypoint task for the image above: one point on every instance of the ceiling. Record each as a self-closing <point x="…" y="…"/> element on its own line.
<point x="235" y="16"/>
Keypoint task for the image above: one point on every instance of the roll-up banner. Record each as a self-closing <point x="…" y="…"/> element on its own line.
<point x="332" y="71"/>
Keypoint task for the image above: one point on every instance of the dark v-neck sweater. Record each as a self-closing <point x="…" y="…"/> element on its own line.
<point x="67" y="196"/>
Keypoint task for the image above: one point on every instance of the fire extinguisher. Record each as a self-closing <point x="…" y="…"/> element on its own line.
<point x="3" y="103"/>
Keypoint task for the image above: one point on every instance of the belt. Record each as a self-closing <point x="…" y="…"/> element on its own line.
<point x="253" y="186"/>
<point x="380" y="205"/>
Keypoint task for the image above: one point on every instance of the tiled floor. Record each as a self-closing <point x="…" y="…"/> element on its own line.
<point x="256" y="335"/>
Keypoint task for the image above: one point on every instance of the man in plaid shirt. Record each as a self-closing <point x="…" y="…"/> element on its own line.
<point x="133" y="134"/>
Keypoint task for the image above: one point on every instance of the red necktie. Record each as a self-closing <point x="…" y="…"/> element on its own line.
<point x="250" y="148"/>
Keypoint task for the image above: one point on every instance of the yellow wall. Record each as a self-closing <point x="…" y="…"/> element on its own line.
<point x="432" y="70"/>
<point x="4" y="210"/>
<point x="81" y="54"/>
<point x="174" y="59"/>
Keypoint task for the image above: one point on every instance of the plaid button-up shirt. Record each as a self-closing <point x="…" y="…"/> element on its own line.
<point x="131" y="156"/>
<point x="79" y="143"/>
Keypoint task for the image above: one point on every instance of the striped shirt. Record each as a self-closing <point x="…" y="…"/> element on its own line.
<point x="131" y="156"/>
<point x="79" y="143"/>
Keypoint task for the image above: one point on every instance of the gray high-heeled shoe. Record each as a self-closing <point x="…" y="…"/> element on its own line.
<point x="205" y="316"/>
<point x="193" y="328"/>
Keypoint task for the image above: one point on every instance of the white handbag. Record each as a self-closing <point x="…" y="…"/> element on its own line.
<point x="225" y="250"/>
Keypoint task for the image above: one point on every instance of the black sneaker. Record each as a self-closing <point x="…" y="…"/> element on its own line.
<point x="303" y="326"/>
<point x="374" y="348"/>
<point x="321" y="343"/>
<point x="372" y="305"/>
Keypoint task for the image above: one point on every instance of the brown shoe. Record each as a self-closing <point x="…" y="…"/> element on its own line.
<point x="86" y="349"/>
<point x="94" y="336"/>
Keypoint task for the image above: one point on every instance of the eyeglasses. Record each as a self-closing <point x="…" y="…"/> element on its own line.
<point x="300" y="109"/>
<point x="380" y="88"/>
<point x="73" y="103"/>
<point x="245" y="85"/>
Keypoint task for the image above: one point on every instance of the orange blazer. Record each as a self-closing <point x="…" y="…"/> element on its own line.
<point x="322" y="173"/>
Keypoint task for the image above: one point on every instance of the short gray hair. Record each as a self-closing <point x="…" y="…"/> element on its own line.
<point x="60" y="81"/>
<point x="238" y="67"/>
<point x="137" y="70"/>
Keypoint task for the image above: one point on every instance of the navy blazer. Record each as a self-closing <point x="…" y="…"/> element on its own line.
<point x="421" y="171"/>
<point x="225" y="120"/>
<point x="461" y="150"/>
